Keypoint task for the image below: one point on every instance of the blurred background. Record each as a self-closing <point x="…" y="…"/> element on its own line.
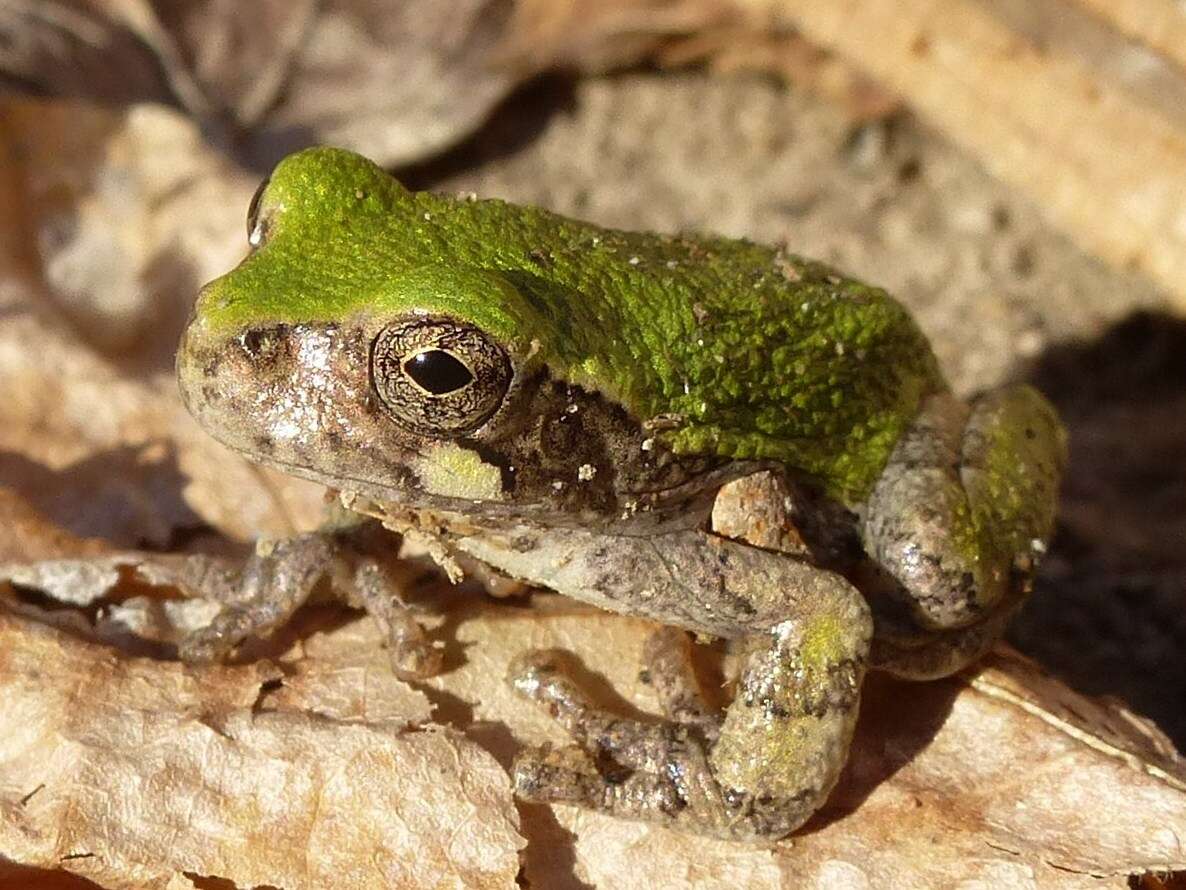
<point x="1013" y="170"/>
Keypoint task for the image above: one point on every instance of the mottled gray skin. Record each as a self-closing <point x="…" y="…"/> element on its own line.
<point x="589" y="504"/>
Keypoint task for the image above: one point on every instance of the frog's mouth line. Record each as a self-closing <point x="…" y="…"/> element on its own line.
<point x="379" y="491"/>
<point x="678" y="500"/>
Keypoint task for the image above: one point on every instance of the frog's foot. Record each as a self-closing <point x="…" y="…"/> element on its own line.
<point x="656" y="772"/>
<point x="966" y="503"/>
<point x="274" y="582"/>
<point x="668" y="669"/>
<point x="279" y="577"/>
<point x="934" y="654"/>
<point x="756" y="774"/>
<point x="413" y="655"/>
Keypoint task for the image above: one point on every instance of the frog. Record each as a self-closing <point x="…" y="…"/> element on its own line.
<point x="733" y="441"/>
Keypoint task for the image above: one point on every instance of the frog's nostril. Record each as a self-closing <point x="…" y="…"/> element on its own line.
<point x="253" y="341"/>
<point x="264" y="344"/>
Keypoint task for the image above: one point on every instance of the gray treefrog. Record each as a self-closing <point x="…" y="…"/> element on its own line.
<point x="723" y="437"/>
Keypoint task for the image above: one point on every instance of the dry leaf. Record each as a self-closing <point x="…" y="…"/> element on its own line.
<point x="1012" y="780"/>
<point x="131" y="771"/>
<point x="117" y="455"/>
<point x="126" y="213"/>
<point x="393" y="79"/>
<point x="109" y="218"/>
<point x="740" y="46"/>
<point x="396" y="80"/>
<point x="1103" y="159"/>
<point x="606" y="34"/>
<point x="238" y="55"/>
<point x="613" y="34"/>
<point x="103" y="444"/>
<point x="1005" y="777"/>
<point x="80" y="48"/>
<point x="947" y="782"/>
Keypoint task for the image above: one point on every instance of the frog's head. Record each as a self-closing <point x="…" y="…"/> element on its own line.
<point x="405" y="346"/>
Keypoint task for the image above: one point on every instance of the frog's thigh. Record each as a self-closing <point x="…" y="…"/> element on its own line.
<point x="964" y="497"/>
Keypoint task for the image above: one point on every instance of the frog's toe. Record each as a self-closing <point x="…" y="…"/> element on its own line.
<point x="534" y="674"/>
<point x="551" y="775"/>
<point x="217" y="641"/>
<point x="541" y="677"/>
<point x="556" y="775"/>
<point x="204" y="648"/>
<point x="679" y="790"/>
<point x="668" y="669"/>
<point x="416" y="659"/>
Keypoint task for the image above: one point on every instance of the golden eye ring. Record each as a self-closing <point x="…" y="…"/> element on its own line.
<point x="438" y="376"/>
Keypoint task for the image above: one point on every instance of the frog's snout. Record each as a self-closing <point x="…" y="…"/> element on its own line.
<point x="200" y="373"/>
<point x="295" y="394"/>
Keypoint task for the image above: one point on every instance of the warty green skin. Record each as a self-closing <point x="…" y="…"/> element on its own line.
<point x="716" y="435"/>
<point x="756" y="353"/>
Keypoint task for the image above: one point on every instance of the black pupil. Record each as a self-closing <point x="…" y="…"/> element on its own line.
<point x="438" y="372"/>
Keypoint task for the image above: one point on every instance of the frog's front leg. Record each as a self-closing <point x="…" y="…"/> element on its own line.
<point x="966" y="504"/>
<point x="280" y="576"/>
<point x="764" y="768"/>
<point x="274" y="581"/>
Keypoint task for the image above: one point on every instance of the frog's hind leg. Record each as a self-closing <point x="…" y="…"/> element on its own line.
<point x="966" y="504"/>
<point x="656" y="772"/>
<point x="763" y="768"/>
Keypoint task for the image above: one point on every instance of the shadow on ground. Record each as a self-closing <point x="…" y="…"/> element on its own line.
<point x="1109" y="613"/>
<point x="131" y="496"/>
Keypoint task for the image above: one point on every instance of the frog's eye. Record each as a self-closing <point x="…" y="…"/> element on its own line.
<point x="438" y="376"/>
<point x="255" y="232"/>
